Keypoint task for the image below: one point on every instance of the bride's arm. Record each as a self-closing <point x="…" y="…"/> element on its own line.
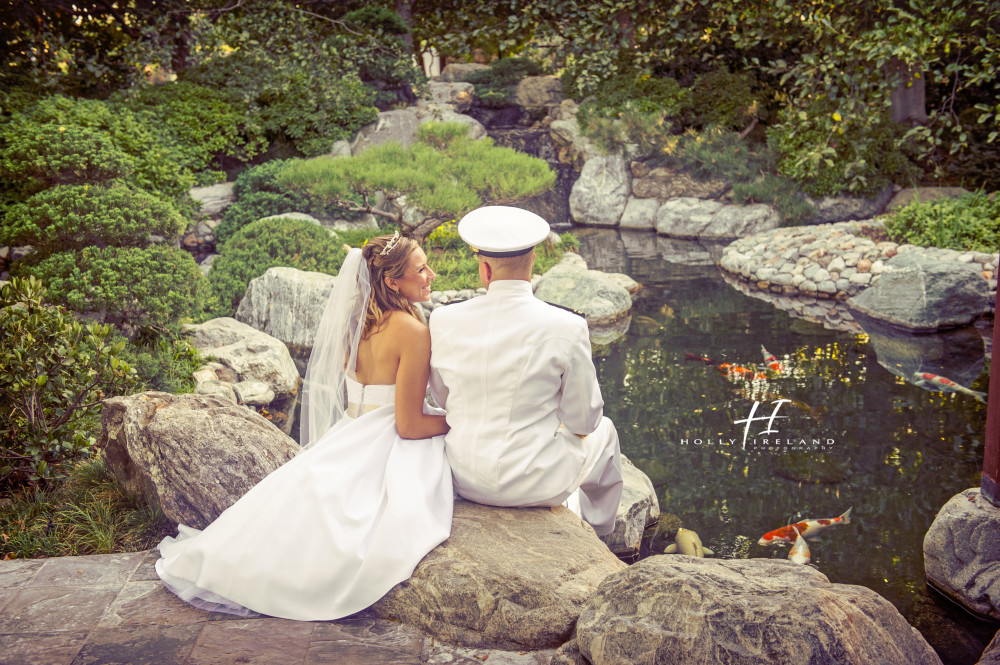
<point x="411" y="384"/>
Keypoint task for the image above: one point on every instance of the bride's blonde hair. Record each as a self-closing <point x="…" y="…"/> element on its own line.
<point x="382" y="264"/>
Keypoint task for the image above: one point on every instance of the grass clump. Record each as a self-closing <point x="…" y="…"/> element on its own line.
<point x="967" y="223"/>
<point x="89" y="513"/>
<point x="458" y="268"/>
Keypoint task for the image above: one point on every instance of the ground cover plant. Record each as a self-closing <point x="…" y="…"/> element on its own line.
<point x="967" y="223"/>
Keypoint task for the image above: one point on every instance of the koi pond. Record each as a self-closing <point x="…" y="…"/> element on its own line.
<point x="855" y="432"/>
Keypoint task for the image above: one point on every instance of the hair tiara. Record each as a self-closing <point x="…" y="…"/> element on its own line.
<point x="389" y="246"/>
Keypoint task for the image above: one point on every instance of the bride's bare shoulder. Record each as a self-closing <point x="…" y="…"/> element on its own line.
<point x="403" y="325"/>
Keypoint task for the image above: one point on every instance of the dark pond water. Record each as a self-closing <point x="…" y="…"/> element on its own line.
<point x="874" y="442"/>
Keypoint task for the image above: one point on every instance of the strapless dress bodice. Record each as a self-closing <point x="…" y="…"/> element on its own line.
<point x="361" y="398"/>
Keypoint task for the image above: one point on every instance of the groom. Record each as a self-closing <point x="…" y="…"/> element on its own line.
<point x="519" y="386"/>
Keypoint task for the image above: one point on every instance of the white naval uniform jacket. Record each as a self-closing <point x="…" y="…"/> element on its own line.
<point x="509" y="369"/>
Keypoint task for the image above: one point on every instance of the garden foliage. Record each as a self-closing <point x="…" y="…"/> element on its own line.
<point x="71" y="217"/>
<point x="53" y="371"/>
<point x="444" y="174"/>
<point x="493" y="85"/>
<point x="269" y="243"/>
<point x="259" y="195"/>
<point x="968" y="223"/>
<point x="137" y="289"/>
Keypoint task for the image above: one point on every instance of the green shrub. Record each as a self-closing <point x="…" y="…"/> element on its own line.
<point x="157" y="166"/>
<point x="258" y="195"/>
<point x="631" y="109"/>
<point x="828" y="154"/>
<point x="51" y="154"/>
<point x="725" y="99"/>
<point x="200" y="124"/>
<point x="53" y="371"/>
<point x="969" y="223"/>
<point x="88" y="513"/>
<point x="164" y="362"/>
<point x="265" y="244"/>
<point x="134" y="288"/>
<point x="444" y="182"/>
<point x="493" y="85"/>
<point x="257" y="205"/>
<point x="458" y="268"/>
<point x="74" y="216"/>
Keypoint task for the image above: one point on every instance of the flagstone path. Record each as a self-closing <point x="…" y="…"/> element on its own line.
<point x="111" y="609"/>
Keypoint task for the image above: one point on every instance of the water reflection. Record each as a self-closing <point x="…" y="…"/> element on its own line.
<point x="893" y="451"/>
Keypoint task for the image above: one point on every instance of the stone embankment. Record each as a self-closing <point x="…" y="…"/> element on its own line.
<point x="829" y="260"/>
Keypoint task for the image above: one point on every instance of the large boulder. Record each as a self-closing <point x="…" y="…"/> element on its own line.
<point x="214" y="198"/>
<point x="689" y="217"/>
<point x="193" y="455"/>
<point x="399" y="126"/>
<point x="572" y="147"/>
<point x="459" y="95"/>
<point x="599" y="195"/>
<point x="538" y="92"/>
<point x="921" y="293"/>
<point x="638" y="510"/>
<point x="443" y="113"/>
<point x="461" y="71"/>
<point x="829" y="209"/>
<point x="680" y="609"/>
<point x="664" y="183"/>
<point x="601" y="298"/>
<point x="962" y="553"/>
<point x="287" y="304"/>
<point x="639" y="214"/>
<point x="252" y="356"/>
<point x="506" y="578"/>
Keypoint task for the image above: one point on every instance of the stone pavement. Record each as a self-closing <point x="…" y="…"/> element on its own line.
<point x="111" y="609"/>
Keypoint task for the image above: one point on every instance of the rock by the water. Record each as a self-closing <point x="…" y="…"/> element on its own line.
<point x="442" y="113"/>
<point x="688" y="217"/>
<point x="506" y="578"/>
<point x="639" y="509"/>
<point x="601" y="298"/>
<point x="214" y="198"/>
<point x="460" y="71"/>
<point x="667" y="609"/>
<point x="571" y="145"/>
<point x="287" y="304"/>
<point x="639" y="214"/>
<point x="962" y="553"/>
<point x="905" y="197"/>
<point x="664" y="183"/>
<point x="831" y="209"/>
<point x="399" y="126"/>
<point x="921" y="293"/>
<point x="458" y="94"/>
<point x="538" y="91"/>
<point x="600" y="193"/>
<point x="193" y="455"/>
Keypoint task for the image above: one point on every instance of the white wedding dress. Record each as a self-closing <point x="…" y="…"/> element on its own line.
<point x="328" y="533"/>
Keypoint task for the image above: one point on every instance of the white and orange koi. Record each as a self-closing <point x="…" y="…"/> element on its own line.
<point x="807" y="529"/>
<point x="771" y="361"/>
<point x="947" y="384"/>
<point x="800" y="550"/>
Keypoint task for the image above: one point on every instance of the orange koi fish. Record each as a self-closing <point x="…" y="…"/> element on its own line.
<point x="703" y="359"/>
<point x="807" y="529"/>
<point x="800" y="550"/>
<point x="772" y="363"/>
<point x="947" y="384"/>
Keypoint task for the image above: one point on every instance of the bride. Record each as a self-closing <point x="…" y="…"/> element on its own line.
<point x="334" y="529"/>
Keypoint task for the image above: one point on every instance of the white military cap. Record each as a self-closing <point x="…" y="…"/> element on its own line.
<point x="501" y="231"/>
